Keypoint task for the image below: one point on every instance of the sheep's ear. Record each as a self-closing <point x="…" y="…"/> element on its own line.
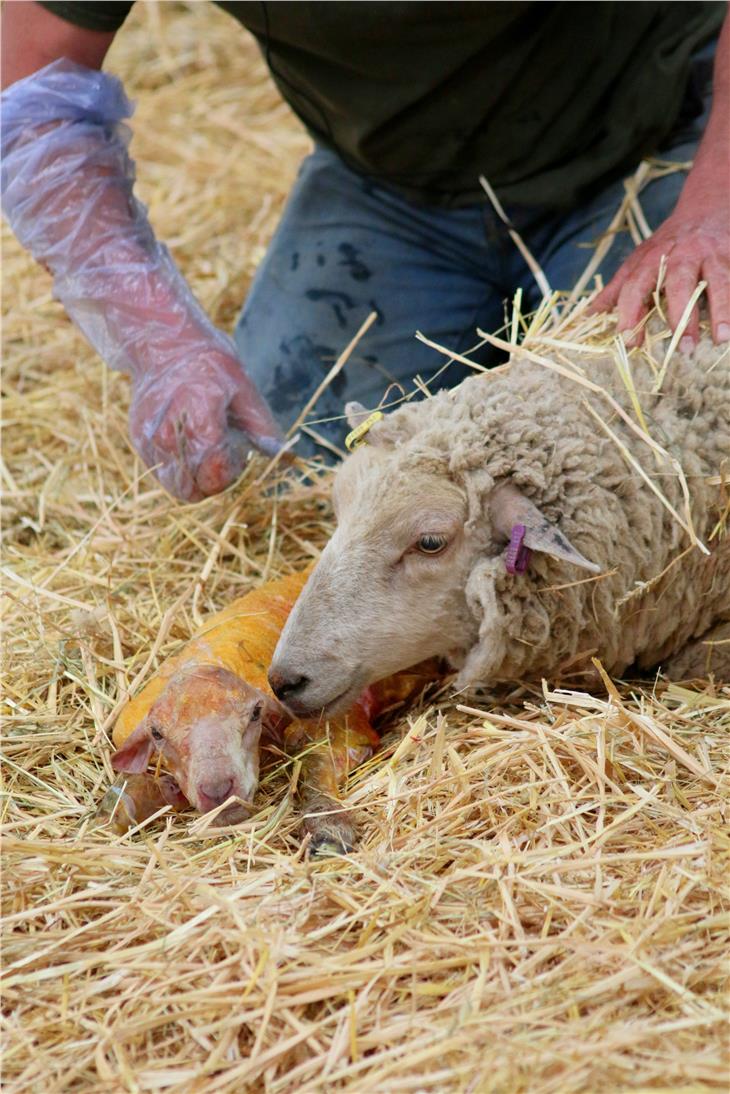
<point x="134" y="755"/>
<point x="510" y="507"/>
<point x="355" y="414"/>
<point x="378" y="433"/>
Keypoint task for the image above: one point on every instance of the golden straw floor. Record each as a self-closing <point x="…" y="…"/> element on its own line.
<point x="540" y="901"/>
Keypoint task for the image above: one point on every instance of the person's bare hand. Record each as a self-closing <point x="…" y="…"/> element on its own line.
<point x="196" y="424"/>
<point x="695" y="240"/>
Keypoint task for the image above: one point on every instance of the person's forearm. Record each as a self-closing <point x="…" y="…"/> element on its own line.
<point x="114" y="279"/>
<point x="31" y="37"/>
<point x="67" y="191"/>
<point x="692" y="246"/>
<point x="709" y="177"/>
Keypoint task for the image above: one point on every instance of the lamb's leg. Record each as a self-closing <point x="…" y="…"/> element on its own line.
<point x="327" y="762"/>
<point x="702" y="657"/>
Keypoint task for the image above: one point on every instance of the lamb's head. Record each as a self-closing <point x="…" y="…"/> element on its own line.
<point x="204" y="729"/>
<point x="390" y="588"/>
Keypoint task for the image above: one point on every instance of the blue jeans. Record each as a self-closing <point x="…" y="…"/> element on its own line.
<point x="347" y="246"/>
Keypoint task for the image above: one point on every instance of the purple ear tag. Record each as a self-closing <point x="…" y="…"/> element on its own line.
<point x="518" y="556"/>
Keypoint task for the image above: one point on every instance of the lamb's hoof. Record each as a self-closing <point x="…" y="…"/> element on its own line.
<point x="328" y="846"/>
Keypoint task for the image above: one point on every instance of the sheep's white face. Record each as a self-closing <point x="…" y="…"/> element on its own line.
<point x="388" y="590"/>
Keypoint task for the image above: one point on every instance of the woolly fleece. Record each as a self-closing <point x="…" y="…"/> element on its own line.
<point x="529" y="425"/>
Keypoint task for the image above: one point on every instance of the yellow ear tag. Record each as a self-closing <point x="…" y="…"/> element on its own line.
<point x="357" y="437"/>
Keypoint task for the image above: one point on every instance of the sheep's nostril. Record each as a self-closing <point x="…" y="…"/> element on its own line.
<point x="215" y="792"/>
<point x="287" y="685"/>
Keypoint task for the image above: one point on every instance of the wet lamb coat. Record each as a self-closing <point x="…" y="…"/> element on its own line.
<point x="531" y="426"/>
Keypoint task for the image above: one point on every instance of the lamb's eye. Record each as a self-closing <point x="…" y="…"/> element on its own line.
<point x="256" y="713"/>
<point x="156" y="734"/>
<point x="432" y="544"/>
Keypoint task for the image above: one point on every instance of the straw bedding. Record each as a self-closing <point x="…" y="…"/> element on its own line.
<point x="540" y="901"/>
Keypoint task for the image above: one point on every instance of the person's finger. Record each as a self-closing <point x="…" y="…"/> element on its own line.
<point x="171" y="451"/>
<point x="248" y="411"/>
<point x="179" y="436"/>
<point x="165" y="461"/>
<point x="716" y="272"/>
<point x="177" y="479"/>
<point x="633" y="299"/>
<point x="170" y="468"/>
<point x="217" y="470"/>
<point x="201" y="411"/>
<point x="607" y="297"/>
<point x="681" y="281"/>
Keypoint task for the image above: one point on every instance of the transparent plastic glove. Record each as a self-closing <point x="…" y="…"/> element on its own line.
<point x="67" y="182"/>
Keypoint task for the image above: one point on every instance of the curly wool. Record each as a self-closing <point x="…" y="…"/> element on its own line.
<point x="530" y="425"/>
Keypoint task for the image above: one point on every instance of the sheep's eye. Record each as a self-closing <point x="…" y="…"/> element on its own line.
<point x="156" y="733"/>
<point x="256" y="713"/>
<point x="432" y="545"/>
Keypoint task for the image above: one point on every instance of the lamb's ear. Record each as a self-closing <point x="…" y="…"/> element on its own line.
<point x="171" y="792"/>
<point x="510" y="507"/>
<point x="271" y="713"/>
<point x="134" y="755"/>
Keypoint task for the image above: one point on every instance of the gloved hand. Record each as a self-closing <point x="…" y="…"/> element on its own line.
<point x="196" y="423"/>
<point x="67" y="191"/>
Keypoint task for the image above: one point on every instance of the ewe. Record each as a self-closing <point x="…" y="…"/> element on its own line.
<point x="431" y="512"/>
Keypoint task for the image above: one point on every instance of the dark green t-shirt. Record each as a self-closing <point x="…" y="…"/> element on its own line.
<point x="548" y="100"/>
